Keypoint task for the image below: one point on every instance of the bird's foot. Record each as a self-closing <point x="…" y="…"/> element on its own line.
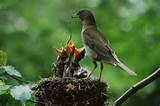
<point x="88" y="76"/>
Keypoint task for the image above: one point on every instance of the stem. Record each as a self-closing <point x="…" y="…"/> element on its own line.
<point x="18" y="79"/>
<point x="33" y="101"/>
<point x="23" y="103"/>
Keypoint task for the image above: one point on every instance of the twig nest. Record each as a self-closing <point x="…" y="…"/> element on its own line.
<point x="70" y="92"/>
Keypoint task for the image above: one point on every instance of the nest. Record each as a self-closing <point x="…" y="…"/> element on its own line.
<point x="70" y="92"/>
<point x="70" y="85"/>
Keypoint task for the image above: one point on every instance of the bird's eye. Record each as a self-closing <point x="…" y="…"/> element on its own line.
<point x="80" y="12"/>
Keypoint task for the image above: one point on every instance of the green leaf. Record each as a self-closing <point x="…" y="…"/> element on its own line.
<point x="4" y="89"/>
<point x="22" y="92"/>
<point x="2" y="71"/>
<point x="3" y="78"/>
<point x="12" y="71"/>
<point x="2" y="83"/>
<point x="3" y="58"/>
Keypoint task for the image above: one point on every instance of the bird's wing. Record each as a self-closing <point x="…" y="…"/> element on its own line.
<point x="95" y="40"/>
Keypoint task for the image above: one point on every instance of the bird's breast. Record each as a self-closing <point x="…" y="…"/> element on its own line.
<point x="89" y="52"/>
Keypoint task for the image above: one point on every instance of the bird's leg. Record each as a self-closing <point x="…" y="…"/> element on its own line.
<point x="101" y="68"/>
<point x="95" y="66"/>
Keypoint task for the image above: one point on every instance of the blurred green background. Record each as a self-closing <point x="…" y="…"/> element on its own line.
<point x="29" y="29"/>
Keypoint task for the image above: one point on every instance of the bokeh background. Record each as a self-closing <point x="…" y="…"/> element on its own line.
<point x="30" y="29"/>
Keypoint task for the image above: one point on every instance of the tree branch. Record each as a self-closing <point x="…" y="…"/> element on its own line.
<point x="131" y="91"/>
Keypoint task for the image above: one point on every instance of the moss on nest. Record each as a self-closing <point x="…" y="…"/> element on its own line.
<point x="70" y="92"/>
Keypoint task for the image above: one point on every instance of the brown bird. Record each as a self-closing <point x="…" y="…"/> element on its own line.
<point x="96" y="45"/>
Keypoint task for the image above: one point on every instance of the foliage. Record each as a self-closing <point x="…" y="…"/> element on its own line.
<point x="3" y="58"/>
<point x="10" y="70"/>
<point x="3" y="88"/>
<point x="21" y="91"/>
<point x="29" y="29"/>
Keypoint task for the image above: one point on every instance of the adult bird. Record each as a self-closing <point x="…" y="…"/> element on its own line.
<point x="96" y="46"/>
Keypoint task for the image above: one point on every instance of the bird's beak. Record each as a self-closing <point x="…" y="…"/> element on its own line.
<point x="75" y="16"/>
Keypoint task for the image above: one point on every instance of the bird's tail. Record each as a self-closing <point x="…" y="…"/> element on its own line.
<point x="123" y="67"/>
<point x="126" y="69"/>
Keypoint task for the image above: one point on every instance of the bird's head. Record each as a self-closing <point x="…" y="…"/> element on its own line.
<point x="83" y="14"/>
<point x="86" y="16"/>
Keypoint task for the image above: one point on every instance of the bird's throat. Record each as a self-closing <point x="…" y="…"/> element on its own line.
<point x="89" y="21"/>
<point x="88" y="24"/>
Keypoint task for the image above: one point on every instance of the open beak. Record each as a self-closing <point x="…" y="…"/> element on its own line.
<point x="75" y="16"/>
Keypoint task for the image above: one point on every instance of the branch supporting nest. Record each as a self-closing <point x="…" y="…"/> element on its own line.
<point x="131" y="91"/>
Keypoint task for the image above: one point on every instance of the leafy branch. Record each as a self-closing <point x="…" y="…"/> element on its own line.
<point x="22" y="91"/>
